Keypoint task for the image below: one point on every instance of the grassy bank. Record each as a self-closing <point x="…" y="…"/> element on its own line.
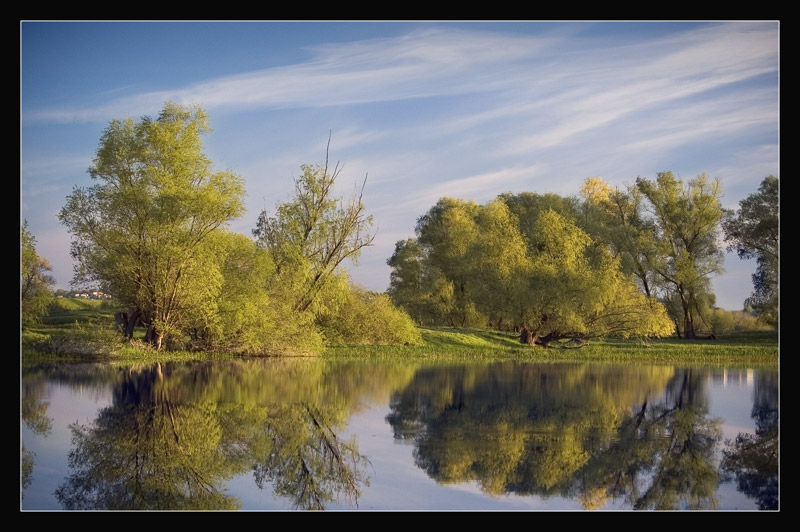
<point x="757" y="348"/>
<point x="84" y="330"/>
<point x="77" y="330"/>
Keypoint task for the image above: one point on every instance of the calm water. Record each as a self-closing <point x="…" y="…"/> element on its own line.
<point x="313" y="434"/>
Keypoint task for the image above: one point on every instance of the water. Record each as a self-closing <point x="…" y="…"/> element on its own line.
<point x="285" y="434"/>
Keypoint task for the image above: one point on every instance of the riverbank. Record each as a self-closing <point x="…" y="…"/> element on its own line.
<point x="83" y="330"/>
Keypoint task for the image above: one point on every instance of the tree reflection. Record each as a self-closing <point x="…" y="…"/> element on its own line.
<point x="753" y="458"/>
<point x="565" y="430"/>
<point x="669" y="448"/>
<point x="147" y="452"/>
<point x="171" y="439"/>
<point x="33" y="412"/>
<point x="308" y="462"/>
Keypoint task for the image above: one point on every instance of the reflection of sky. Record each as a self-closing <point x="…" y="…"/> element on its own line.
<point x="66" y="406"/>
<point x="733" y="402"/>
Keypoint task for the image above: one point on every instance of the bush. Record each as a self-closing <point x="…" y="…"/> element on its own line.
<point x="368" y="318"/>
<point x="721" y="321"/>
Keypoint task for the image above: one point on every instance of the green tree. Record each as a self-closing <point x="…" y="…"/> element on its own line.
<point x="310" y="237"/>
<point x="405" y="280"/>
<point x="574" y="289"/>
<point x="446" y="234"/>
<point x="141" y="232"/>
<point x="617" y="218"/>
<point x="686" y="225"/>
<point x="243" y="317"/>
<point x="480" y="263"/>
<point x="754" y="232"/>
<point x="35" y="285"/>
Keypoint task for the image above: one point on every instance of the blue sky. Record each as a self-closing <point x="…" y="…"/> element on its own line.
<point x="426" y="109"/>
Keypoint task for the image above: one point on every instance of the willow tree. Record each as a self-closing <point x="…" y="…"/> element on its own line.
<point x="311" y="236"/>
<point x="141" y="231"/>
<point x="447" y="235"/>
<point x="573" y="290"/>
<point x="544" y="276"/>
<point x="617" y="218"/>
<point x="685" y="230"/>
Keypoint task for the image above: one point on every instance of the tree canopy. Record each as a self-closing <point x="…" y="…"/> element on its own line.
<point x="141" y="231"/>
<point x="35" y="285"/>
<point x="152" y="232"/>
<point x="537" y="271"/>
<point x="754" y="232"/>
<point x="311" y="235"/>
<point x="685" y="231"/>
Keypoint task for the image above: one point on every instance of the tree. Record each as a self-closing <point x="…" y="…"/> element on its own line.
<point x="141" y="231"/>
<point x="447" y="234"/>
<point x="481" y="263"/>
<point x="35" y="285"/>
<point x="754" y="231"/>
<point x="573" y="289"/>
<point x="617" y="218"/>
<point x="310" y="236"/>
<point x="686" y="226"/>
<point x="405" y="280"/>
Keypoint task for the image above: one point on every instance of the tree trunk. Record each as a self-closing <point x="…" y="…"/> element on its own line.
<point x="688" y="325"/>
<point x="131" y="320"/>
<point x="545" y="341"/>
<point x="527" y="337"/>
<point x="154" y="337"/>
<point x="688" y="322"/>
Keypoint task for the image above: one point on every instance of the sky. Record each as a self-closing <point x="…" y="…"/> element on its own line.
<point x="422" y="109"/>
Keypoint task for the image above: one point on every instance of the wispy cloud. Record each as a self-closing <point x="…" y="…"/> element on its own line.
<point x="420" y="64"/>
<point x="477" y="187"/>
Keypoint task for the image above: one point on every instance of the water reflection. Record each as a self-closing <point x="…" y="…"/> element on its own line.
<point x="172" y="436"/>
<point x="753" y="458"/>
<point x="664" y="454"/>
<point x="566" y="430"/>
<point x="148" y="450"/>
<point x="33" y="413"/>
<point x="171" y="439"/>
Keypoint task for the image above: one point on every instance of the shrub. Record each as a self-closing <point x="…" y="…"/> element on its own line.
<point x="369" y="318"/>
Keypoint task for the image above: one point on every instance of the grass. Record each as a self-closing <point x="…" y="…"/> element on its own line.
<point x="758" y="348"/>
<point x="78" y="329"/>
<point x="83" y="330"/>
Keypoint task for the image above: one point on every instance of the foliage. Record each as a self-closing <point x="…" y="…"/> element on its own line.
<point x="242" y="316"/>
<point x="310" y="236"/>
<point x="141" y="231"/>
<point x="308" y="239"/>
<point x="686" y="220"/>
<point x="405" y="284"/>
<point x="35" y="285"/>
<point x="754" y="231"/>
<point x="369" y="318"/>
<point x="472" y="264"/>
<point x="617" y="219"/>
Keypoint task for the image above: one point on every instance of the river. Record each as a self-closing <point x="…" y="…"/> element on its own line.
<point x="312" y="434"/>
